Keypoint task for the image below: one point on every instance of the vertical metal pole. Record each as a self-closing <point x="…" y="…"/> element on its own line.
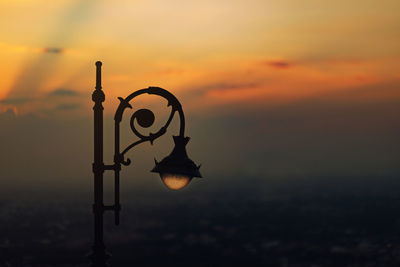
<point x="99" y="256"/>
<point x="117" y="164"/>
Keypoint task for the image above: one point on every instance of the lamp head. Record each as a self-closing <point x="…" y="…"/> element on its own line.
<point x="177" y="169"/>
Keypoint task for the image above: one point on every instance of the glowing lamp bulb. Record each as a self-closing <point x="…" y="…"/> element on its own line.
<point x="175" y="181"/>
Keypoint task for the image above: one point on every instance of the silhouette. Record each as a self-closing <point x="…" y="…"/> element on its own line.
<point x="176" y="170"/>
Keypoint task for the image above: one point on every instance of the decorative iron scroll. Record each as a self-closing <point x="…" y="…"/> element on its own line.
<point x="145" y="118"/>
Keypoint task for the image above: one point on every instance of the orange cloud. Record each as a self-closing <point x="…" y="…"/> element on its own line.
<point x="53" y="50"/>
<point x="278" y="64"/>
<point x="250" y="85"/>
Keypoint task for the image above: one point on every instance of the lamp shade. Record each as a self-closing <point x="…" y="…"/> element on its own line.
<point x="177" y="169"/>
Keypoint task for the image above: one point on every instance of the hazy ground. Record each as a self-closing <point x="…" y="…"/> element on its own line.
<point x="303" y="222"/>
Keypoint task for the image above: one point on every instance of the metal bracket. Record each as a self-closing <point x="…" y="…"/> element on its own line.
<point x="103" y="167"/>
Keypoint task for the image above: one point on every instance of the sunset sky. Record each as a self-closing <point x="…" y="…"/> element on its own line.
<point x="212" y="52"/>
<point x="305" y="86"/>
<point x="292" y="107"/>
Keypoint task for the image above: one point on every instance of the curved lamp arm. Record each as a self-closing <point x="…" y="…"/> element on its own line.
<point x="145" y="118"/>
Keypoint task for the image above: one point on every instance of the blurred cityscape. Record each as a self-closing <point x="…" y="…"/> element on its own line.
<point x="236" y="226"/>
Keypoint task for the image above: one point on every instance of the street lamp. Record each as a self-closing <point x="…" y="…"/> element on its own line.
<point x="176" y="170"/>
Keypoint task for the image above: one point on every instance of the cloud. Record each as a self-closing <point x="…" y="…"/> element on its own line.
<point x="16" y="100"/>
<point x="225" y="86"/>
<point x="63" y="92"/>
<point x="169" y="71"/>
<point x="70" y="106"/>
<point x="7" y="114"/>
<point x="278" y="64"/>
<point x="53" y="50"/>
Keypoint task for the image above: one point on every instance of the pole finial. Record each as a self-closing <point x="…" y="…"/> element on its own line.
<point x="98" y="75"/>
<point x="98" y="95"/>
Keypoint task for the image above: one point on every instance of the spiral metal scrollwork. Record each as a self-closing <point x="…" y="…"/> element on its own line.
<point x="145" y="118"/>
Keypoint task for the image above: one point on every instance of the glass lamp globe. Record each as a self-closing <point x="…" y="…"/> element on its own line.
<point x="175" y="181"/>
<point x="177" y="169"/>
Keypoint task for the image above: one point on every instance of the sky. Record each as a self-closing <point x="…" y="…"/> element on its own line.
<point x="269" y="88"/>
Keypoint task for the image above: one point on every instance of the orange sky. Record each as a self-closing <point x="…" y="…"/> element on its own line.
<point x="210" y="53"/>
<point x="282" y="87"/>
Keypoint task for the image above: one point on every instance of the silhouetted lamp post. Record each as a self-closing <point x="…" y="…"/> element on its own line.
<point x="175" y="170"/>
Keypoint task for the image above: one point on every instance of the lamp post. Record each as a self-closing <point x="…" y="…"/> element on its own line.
<point x="175" y="170"/>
